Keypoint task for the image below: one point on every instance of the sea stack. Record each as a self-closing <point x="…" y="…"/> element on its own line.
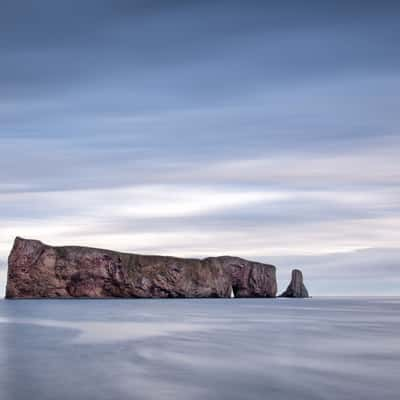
<point x="296" y="286"/>
<point x="37" y="270"/>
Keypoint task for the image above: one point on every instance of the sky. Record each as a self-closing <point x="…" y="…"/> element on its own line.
<point x="267" y="130"/>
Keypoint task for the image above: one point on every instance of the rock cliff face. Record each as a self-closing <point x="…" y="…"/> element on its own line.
<point x="36" y="270"/>
<point x="296" y="286"/>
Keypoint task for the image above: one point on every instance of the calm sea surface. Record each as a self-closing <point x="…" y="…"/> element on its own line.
<point x="320" y="348"/>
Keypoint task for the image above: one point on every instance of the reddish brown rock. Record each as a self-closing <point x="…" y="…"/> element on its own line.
<point x="36" y="270"/>
<point x="296" y="286"/>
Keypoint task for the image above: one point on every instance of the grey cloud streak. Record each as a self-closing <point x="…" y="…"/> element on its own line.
<point x="263" y="128"/>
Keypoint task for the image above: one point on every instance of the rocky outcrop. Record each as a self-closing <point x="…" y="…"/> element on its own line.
<point x="296" y="286"/>
<point x="36" y="270"/>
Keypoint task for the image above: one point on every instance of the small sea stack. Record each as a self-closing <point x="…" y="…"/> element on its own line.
<point x="296" y="286"/>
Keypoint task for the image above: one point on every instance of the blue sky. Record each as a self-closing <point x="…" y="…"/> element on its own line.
<point x="268" y="130"/>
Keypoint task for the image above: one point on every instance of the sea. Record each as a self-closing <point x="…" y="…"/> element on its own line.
<point x="242" y="349"/>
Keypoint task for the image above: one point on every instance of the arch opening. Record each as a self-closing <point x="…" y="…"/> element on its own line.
<point x="234" y="292"/>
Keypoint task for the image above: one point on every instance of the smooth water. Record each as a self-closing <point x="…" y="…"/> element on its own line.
<point x="200" y="349"/>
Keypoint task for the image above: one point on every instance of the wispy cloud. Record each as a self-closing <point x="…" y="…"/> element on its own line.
<point x="211" y="127"/>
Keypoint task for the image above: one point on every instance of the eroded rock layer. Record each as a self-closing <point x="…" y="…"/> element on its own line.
<point x="296" y="286"/>
<point x="36" y="270"/>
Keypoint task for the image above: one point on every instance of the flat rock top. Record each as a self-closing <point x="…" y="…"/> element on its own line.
<point x="40" y="270"/>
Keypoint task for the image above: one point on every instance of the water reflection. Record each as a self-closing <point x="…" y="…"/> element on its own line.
<point x="200" y="349"/>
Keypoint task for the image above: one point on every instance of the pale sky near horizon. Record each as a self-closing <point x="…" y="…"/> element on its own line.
<point x="267" y="130"/>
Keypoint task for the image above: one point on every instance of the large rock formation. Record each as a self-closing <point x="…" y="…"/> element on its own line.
<point x="296" y="286"/>
<point x="37" y="270"/>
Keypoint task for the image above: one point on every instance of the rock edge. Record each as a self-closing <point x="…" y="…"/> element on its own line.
<point x="37" y="270"/>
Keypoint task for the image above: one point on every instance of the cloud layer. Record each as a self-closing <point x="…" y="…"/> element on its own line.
<point x="200" y="128"/>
